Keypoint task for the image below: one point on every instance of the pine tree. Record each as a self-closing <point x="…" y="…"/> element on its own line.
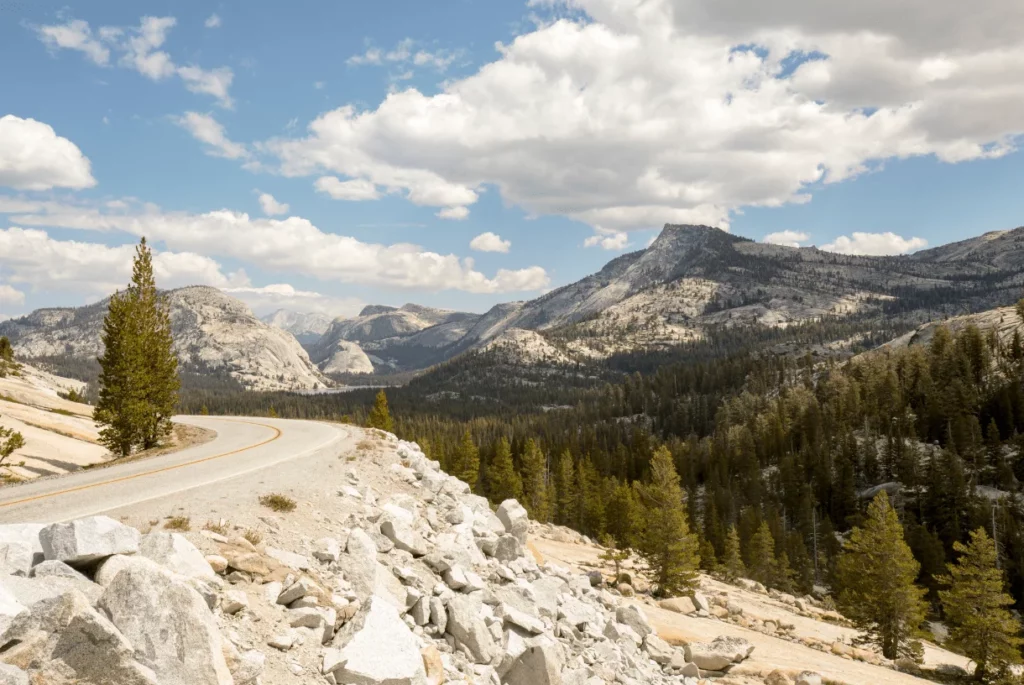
<point x="761" y="555"/>
<point x="733" y="561"/>
<point x="502" y="480"/>
<point x="10" y="440"/>
<point x="7" y="363"/>
<point x="139" y="371"/>
<point x="667" y="546"/>
<point x="876" y="574"/>
<point x="534" y="475"/>
<point x="567" y="499"/>
<point x="613" y="554"/>
<point x="976" y="608"/>
<point x="380" y="415"/>
<point x="466" y="461"/>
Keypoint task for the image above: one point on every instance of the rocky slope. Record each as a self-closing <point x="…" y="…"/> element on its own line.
<point x="389" y="338"/>
<point x="213" y="333"/>
<point x="307" y="327"/>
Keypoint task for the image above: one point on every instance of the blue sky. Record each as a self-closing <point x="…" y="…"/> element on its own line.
<point x="396" y="132"/>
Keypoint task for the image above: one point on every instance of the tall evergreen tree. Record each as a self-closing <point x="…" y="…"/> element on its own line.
<point x="976" y="609"/>
<point x="502" y="480"/>
<point x="7" y="363"/>
<point x="380" y="415"/>
<point x="535" y="486"/>
<point x="876" y="574"/>
<point x="567" y="499"/>
<point x="666" y="544"/>
<point x="139" y="371"/>
<point x="466" y="460"/>
<point x="732" y="563"/>
<point x="761" y="555"/>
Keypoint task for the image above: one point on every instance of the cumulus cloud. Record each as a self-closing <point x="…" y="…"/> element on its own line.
<point x="31" y="257"/>
<point x="208" y="130"/>
<point x="34" y="157"/>
<point x="212" y="21"/>
<point x="788" y="238"/>
<point x="270" y="206"/>
<point x="139" y="48"/>
<point x="682" y="111"/>
<point x="490" y="242"/>
<point x="292" y="245"/>
<point x="8" y="295"/>
<point x="887" y="243"/>
<point x="454" y="213"/>
<point x="353" y="191"/>
<point x="612" y="241"/>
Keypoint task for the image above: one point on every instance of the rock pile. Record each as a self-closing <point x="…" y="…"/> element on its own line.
<point x="421" y="586"/>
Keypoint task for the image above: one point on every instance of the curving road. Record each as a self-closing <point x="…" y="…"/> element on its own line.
<point x="242" y="446"/>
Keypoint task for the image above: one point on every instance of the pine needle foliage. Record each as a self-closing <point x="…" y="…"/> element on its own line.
<point x="667" y="546"/>
<point x="380" y="415"/>
<point x="502" y="480"/>
<point x="139" y="370"/>
<point x="977" y="609"/>
<point x="876" y="574"/>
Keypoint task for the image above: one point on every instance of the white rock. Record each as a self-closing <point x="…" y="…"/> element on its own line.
<point x="89" y="539"/>
<point x="404" y="537"/>
<point x="327" y="550"/>
<point x="719" y="653"/>
<point x="539" y="665"/>
<point x="99" y="653"/>
<point x="234" y="601"/>
<point x="296" y="562"/>
<point x="515" y="519"/>
<point x="807" y="678"/>
<point x="376" y="647"/>
<point x="152" y="607"/>
<point x="633" y="617"/>
<point x="175" y="553"/>
<point x="16" y="558"/>
<point x="12" y="675"/>
<point x="467" y="626"/>
<point x="56" y="568"/>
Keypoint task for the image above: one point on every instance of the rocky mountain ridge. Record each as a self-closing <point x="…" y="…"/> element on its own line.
<point x="213" y="333"/>
<point x="307" y="327"/>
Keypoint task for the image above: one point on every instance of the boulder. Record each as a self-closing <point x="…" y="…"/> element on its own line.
<point x="242" y="559"/>
<point x="404" y="537"/>
<point x="538" y="665"/>
<point x="700" y="601"/>
<point x="249" y="668"/>
<point x="635" y="619"/>
<point x="515" y="519"/>
<point x="27" y="533"/>
<point x="376" y="646"/>
<point x="54" y="568"/>
<point x="292" y="560"/>
<point x="679" y="605"/>
<point x="807" y="678"/>
<point x="86" y="540"/>
<point x="777" y="677"/>
<point x="467" y="626"/>
<point x="360" y="563"/>
<point x="596" y="578"/>
<point x="12" y="675"/>
<point x="175" y="553"/>
<point x="327" y="550"/>
<point x="169" y="623"/>
<point x="16" y="558"/>
<point x="11" y="611"/>
<point x="98" y="653"/>
<point x="719" y="654"/>
<point x="507" y="548"/>
<point x="234" y="601"/>
<point x="660" y="651"/>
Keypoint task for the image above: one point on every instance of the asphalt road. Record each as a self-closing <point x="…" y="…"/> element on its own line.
<point x="242" y="446"/>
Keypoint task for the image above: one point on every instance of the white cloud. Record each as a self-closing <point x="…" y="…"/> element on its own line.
<point x="354" y="190"/>
<point x="490" y="242"/>
<point x="208" y="130"/>
<point x="33" y="258"/>
<point x="406" y="53"/>
<point x="454" y="213"/>
<point x="651" y="111"/>
<point x="613" y="241"/>
<point x="34" y="157"/>
<point x="212" y="22"/>
<point x="139" y="49"/>
<point x="272" y="207"/>
<point x="9" y="295"/>
<point x="788" y="238"/>
<point x="887" y="243"/>
<point x="75" y="35"/>
<point x="269" y="298"/>
<point x="293" y="245"/>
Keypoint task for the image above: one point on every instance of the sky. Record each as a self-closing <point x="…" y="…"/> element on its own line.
<point x="322" y="156"/>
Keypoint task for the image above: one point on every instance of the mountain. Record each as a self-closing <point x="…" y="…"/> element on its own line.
<point x="307" y="327"/>
<point x="213" y="333"/>
<point x="390" y="339"/>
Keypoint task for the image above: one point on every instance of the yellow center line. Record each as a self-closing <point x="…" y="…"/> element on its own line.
<point x="277" y="434"/>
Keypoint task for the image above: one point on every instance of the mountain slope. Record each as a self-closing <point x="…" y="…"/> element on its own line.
<point x="307" y="327"/>
<point x="213" y="333"/>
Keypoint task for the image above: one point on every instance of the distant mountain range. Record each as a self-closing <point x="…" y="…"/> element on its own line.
<point x="689" y="280"/>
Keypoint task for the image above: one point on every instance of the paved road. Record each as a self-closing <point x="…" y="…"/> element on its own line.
<point x="242" y="446"/>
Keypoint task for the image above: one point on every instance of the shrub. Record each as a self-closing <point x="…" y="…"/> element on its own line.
<point x="278" y="502"/>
